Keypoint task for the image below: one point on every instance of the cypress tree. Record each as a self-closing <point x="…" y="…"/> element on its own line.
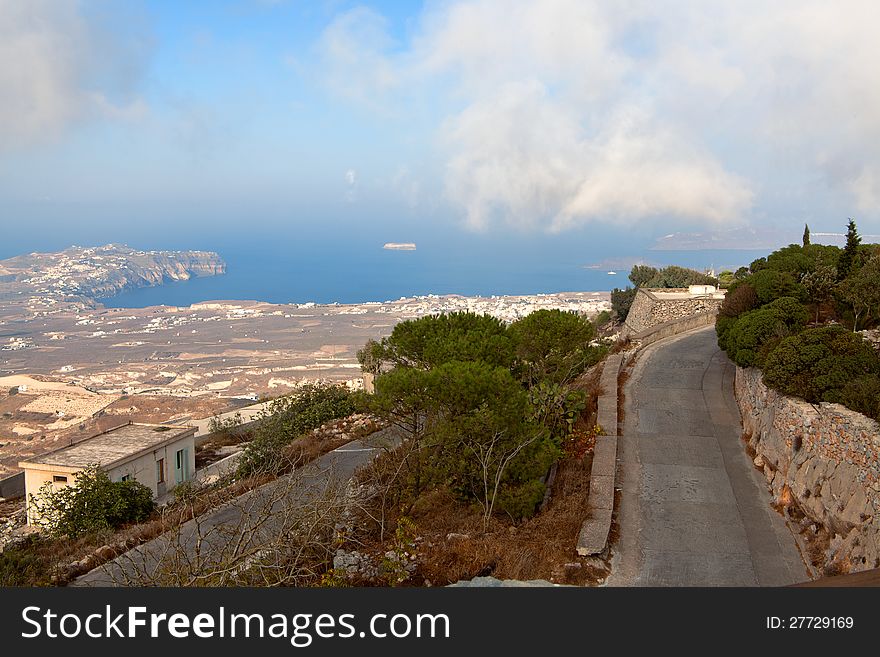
<point x="806" y="235"/>
<point x="850" y="251"/>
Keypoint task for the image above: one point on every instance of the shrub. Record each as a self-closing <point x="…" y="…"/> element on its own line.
<point x="723" y="325"/>
<point x="743" y="339"/>
<point x="93" y="503"/>
<point x="819" y="363"/>
<point x="738" y="301"/>
<point x="289" y="417"/>
<point x="862" y="395"/>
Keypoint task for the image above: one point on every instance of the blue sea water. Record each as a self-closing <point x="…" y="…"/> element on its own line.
<point x="356" y="269"/>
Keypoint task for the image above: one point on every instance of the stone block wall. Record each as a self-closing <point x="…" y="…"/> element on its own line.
<point x="650" y="308"/>
<point x="825" y="458"/>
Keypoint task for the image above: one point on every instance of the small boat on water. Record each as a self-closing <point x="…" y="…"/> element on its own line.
<point x="612" y="273"/>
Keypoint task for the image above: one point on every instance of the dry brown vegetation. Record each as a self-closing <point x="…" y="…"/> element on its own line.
<point x="452" y="545"/>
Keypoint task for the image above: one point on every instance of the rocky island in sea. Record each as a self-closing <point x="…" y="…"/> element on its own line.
<point x="82" y="275"/>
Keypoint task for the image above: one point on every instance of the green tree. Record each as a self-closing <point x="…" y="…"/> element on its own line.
<point x="641" y="275"/>
<point x="770" y="284"/>
<point x="602" y="319"/>
<point x="726" y="278"/>
<point x="674" y="276"/>
<point x="436" y="339"/>
<point x="553" y="345"/>
<point x="848" y="259"/>
<point x="862" y="394"/>
<point x="621" y="300"/>
<point x="474" y="406"/>
<point x="91" y="504"/>
<point x="820" y="284"/>
<point x="370" y="356"/>
<point x="806" y="238"/>
<point x="861" y="290"/>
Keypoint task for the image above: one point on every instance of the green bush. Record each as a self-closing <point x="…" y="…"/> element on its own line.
<point x="92" y="504"/>
<point x="723" y="324"/>
<point x="862" y="395"/>
<point x="819" y="364"/>
<point x="289" y="417"/>
<point x="744" y="338"/>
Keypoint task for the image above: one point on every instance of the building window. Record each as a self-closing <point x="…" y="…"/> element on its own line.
<point x="160" y="471"/>
<point x="59" y="479"/>
<point x="125" y="477"/>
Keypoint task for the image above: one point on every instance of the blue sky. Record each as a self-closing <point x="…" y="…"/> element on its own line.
<point x="547" y="120"/>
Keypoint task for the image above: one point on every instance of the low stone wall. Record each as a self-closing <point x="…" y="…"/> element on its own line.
<point x="651" y="308"/>
<point x="825" y="458"/>
<point x="593" y="536"/>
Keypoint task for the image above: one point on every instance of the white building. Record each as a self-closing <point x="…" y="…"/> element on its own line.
<point x="158" y="456"/>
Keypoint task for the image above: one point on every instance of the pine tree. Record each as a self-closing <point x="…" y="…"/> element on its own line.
<point x="850" y="251"/>
<point x="806" y="235"/>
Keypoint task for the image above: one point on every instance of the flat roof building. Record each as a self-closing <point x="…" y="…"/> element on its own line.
<point x="158" y="456"/>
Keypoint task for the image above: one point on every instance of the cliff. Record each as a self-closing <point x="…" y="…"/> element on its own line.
<point x="91" y="273"/>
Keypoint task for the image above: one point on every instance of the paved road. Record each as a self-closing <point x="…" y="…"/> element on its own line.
<point x="222" y="524"/>
<point x="694" y="509"/>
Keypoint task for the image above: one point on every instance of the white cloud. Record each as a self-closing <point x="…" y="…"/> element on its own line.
<point x="58" y="68"/>
<point x="352" y="48"/>
<point x="570" y="111"/>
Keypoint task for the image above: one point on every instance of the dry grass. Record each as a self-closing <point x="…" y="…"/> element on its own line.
<point x="453" y="545"/>
<point x="622" y="378"/>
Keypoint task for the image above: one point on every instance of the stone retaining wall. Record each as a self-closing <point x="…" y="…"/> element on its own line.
<point x="651" y="308"/>
<point x="674" y="327"/>
<point x="825" y="458"/>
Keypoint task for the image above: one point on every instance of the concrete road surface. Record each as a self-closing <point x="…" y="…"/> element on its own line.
<point x="221" y="525"/>
<point x="694" y="509"/>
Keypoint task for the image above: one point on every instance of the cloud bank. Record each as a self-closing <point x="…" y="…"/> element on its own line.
<point x="61" y="65"/>
<point x="564" y="112"/>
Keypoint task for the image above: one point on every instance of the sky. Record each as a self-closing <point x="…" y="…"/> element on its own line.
<point x="160" y="122"/>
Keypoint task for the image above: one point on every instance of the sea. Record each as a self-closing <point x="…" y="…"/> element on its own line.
<point x="355" y="271"/>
